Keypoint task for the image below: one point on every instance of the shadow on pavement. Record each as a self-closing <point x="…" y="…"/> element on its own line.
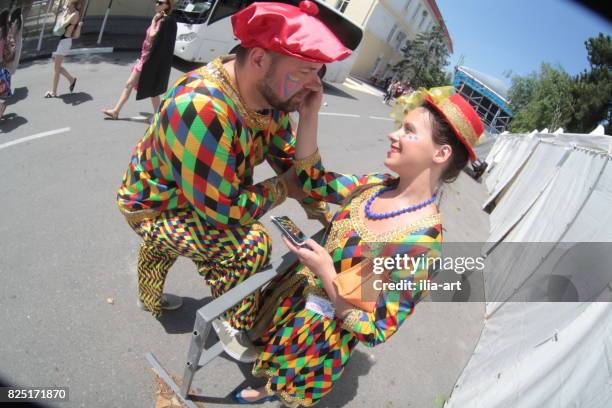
<point x="183" y="319"/>
<point x="329" y="89"/>
<point x="18" y="95"/>
<point x="346" y="388"/>
<point x="249" y="381"/>
<point x="11" y="121"/>
<point x="343" y="392"/>
<point x="122" y="58"/>
<point x="76" y="98"/>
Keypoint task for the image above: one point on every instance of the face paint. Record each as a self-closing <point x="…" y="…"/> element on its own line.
<point x="289" y="86"/>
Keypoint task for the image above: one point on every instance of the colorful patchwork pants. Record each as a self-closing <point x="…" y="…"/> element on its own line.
<point x="224" y="257"/>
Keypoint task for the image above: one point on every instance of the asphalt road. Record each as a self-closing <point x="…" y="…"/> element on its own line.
<point x="65" y="250"/>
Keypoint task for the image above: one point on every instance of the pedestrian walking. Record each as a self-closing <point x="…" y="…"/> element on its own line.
<point x="66" y="29"/>
<point x="389" y="90"/>
<point x="6" y="53"/>
<point x="151" y="72"/>
<point x="16" y="37"/>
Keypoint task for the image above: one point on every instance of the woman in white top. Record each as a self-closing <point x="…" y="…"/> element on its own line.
<point x="71" y="19"/>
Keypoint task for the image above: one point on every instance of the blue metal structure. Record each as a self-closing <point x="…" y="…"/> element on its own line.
<point x="487" y="95"/>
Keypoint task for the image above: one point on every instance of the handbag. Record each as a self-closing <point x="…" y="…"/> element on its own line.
<point x="59" y="29"/>
<point x="357" y="285"/>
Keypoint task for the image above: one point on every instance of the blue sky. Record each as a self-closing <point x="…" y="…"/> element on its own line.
<point x="495" y="36"/>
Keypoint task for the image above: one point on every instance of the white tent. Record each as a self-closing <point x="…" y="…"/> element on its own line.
<point x="553" y="191"/>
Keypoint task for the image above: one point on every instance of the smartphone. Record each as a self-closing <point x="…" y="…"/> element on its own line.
<point x="290" y="230"/>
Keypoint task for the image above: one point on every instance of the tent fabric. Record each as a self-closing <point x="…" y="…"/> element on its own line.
<point x="513" y="157"/>
<point x="521" y="195"/>
<point x="555" y="216"/>
<point x="546" y="222"/>
<point x="540" y="355"/>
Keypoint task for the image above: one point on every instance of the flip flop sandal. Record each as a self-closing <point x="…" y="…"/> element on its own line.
<point x="72" y="85"/>
<point x="50" y="95"/>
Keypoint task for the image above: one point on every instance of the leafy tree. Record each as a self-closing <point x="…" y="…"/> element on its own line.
<point x="552" y="99"/>
<point x="424" y="60"/>
<point x="541" y="100"/>
<point x="592" y="90"/>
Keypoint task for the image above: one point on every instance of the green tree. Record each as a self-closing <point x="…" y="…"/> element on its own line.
<point x="592" y="90"/>
<point x="541" y="100"/>
<point x="424" y="60"/>
<point x="552" y="99"/>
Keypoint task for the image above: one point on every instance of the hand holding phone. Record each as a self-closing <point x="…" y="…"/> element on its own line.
<point x="290" y="230"/>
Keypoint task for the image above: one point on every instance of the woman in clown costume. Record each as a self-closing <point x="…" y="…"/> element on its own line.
<point x="312" y="320"/>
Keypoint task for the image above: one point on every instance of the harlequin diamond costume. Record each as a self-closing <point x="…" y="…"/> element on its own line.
<point x="305" y="351"/>
<point x="189" y="190"/>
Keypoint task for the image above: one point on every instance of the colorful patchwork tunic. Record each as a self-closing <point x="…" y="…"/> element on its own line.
<point x="304" y="353"/>
<point x="189" y="190"/>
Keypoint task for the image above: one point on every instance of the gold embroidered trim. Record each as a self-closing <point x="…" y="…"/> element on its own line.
<point x="283" y="396"/>
<point x="215" y="72"/>
<point x="390" y="236"/>
<point x="278" y="187"/>
<point x="350" y="320"/>
<point x="311" y="283"/>
<point x="138" y="216"/>
<point x="338" y="231"/>
<point x="318" y="210"/>
<point x="459" y="121"/>
<point x="307" y="162"/>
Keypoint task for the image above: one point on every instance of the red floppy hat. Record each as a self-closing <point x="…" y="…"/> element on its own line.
<point x="288" y="30"/>
<point x="462" y="118"/>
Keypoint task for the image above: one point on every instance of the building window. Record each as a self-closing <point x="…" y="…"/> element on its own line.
<point x="416" y="12"/>
<point x="425" y="14"/>
<point x="376" y="65"/>
<point x="390" y="36"/>
<point x="399" y="40"/>
<point x="407" y="5"/>
<point x="429" y="26"/>
<point x="341" y="5"/>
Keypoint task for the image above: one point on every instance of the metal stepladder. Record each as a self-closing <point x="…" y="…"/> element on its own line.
<point x="198" y="356"/>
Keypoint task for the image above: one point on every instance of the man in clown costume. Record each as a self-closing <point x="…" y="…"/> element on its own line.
<point x="189" y="189"/>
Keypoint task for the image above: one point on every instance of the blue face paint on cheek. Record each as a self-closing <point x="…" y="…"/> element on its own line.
<point x="411" y="136"/>
<point x="290" y="85"/>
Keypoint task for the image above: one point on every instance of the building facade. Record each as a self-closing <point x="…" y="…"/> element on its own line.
<point x="387" y="25"/>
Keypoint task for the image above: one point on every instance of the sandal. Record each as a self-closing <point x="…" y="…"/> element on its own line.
<point x="72" y="85"/>
<point x="50" y="95"/>
<point x="240" y="399"/>
<point x="111" y="115"/>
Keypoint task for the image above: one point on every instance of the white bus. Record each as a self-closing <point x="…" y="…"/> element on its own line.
<point x="204" y="31"/>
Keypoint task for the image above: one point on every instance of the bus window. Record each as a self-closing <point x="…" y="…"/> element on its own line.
<point x="193" y="11"/>
<point x="226" y="8"/>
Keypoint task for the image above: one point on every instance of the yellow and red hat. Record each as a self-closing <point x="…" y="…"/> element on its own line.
<point x="289" y="30"/>
<point x="462" y="118"/>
